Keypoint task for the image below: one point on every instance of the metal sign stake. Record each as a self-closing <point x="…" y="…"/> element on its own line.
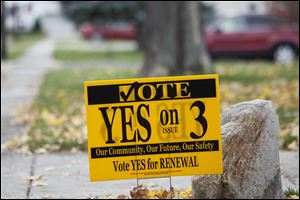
<point x="171" y="188"/>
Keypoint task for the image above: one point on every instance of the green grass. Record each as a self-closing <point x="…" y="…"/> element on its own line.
<point x="57" y="116"/>
<point x="69" y="55"/>
<point x="250" y="72"/>
<point x="243" y="80"/>
<point x="258" y="74"/>
<point x="287" y="115"/>
<point x="290" y="191"/>
<point x="70" y="81"/>
<point x="17" y="46"/>
<point x="59" y="108"/>
<point x="288" y="140"/>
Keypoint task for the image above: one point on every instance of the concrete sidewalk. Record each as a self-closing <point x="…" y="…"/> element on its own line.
<point x="66" y="175"/>
<point x="20" y="80"/>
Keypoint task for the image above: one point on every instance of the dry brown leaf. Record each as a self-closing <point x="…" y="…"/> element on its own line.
<point x="139" y="192"/>
<point x="41" y="151"/>
<point x="91" y="196"/>
<point x="293" y="146"/>
<point x="39" y="183"/>
<point x="163" y="194"/>
<point x="187" y="193"/>
<point x="64" y="127"/>
<point x="122" y="196"/>
<point x="33" y="178"/>
<point x="46" y="196"/>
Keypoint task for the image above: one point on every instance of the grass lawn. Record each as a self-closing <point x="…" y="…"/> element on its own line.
<point x="70" y="55"/>
<point x="67" y="85"/>
<point x="84" y="50"/>
<point x="17" y="46"/>
<point x="255" y="71"/>
<point x="57" y="118"/>
<point x="246" y="80"/>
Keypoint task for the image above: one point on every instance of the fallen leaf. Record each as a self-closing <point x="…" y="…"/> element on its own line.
<point x="187" y="193"/>
<point x="46" y="196"/>
<point x="39" y="183"/>
<point x="41" y="151"/>
<point x="139" y="192"/>
<point x="163" y="194"/>
<point x="54" y="148"/>
<point x="74" y="150"/>
<point x="293" y="146"/>
<point x="294" y="196"/>
<point x="91" y="196"/>
<point x="295" y="132"/>
<point x="32" y="178"/>
<point x="122" y="196"/>
<point x="284" y="133"/>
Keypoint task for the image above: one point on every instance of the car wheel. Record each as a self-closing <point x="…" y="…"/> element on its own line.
<point x="284" y="53"/>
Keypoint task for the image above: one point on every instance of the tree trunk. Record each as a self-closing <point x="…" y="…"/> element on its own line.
<point x="179" y="67"/>
<point x="199" y="60"/>
<point x="151" y="37"/>
<point x="174" y="39"/>
<point x="3" y="32"/>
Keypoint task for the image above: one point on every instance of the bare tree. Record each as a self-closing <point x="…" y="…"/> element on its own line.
<point x="3" y="32"/>
<point x="173" y="39"/>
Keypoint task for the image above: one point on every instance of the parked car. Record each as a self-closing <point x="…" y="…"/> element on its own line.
<point x="253" y="35"/>
<point x="123" y="31"/>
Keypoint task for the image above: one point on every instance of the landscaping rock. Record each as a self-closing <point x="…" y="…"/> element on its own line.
<point x="250" y="155"/>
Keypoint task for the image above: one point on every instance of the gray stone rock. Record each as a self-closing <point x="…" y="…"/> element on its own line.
<point x="250" y="155"/>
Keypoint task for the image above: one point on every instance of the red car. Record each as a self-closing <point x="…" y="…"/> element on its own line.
<point x="109" y="31"/>
<point x="255" y="35"/>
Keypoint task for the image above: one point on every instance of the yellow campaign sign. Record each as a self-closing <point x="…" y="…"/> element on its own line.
<point x="153" y="127"/>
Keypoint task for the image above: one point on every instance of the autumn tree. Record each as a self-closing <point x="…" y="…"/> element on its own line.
<point x="174" y="39"/>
